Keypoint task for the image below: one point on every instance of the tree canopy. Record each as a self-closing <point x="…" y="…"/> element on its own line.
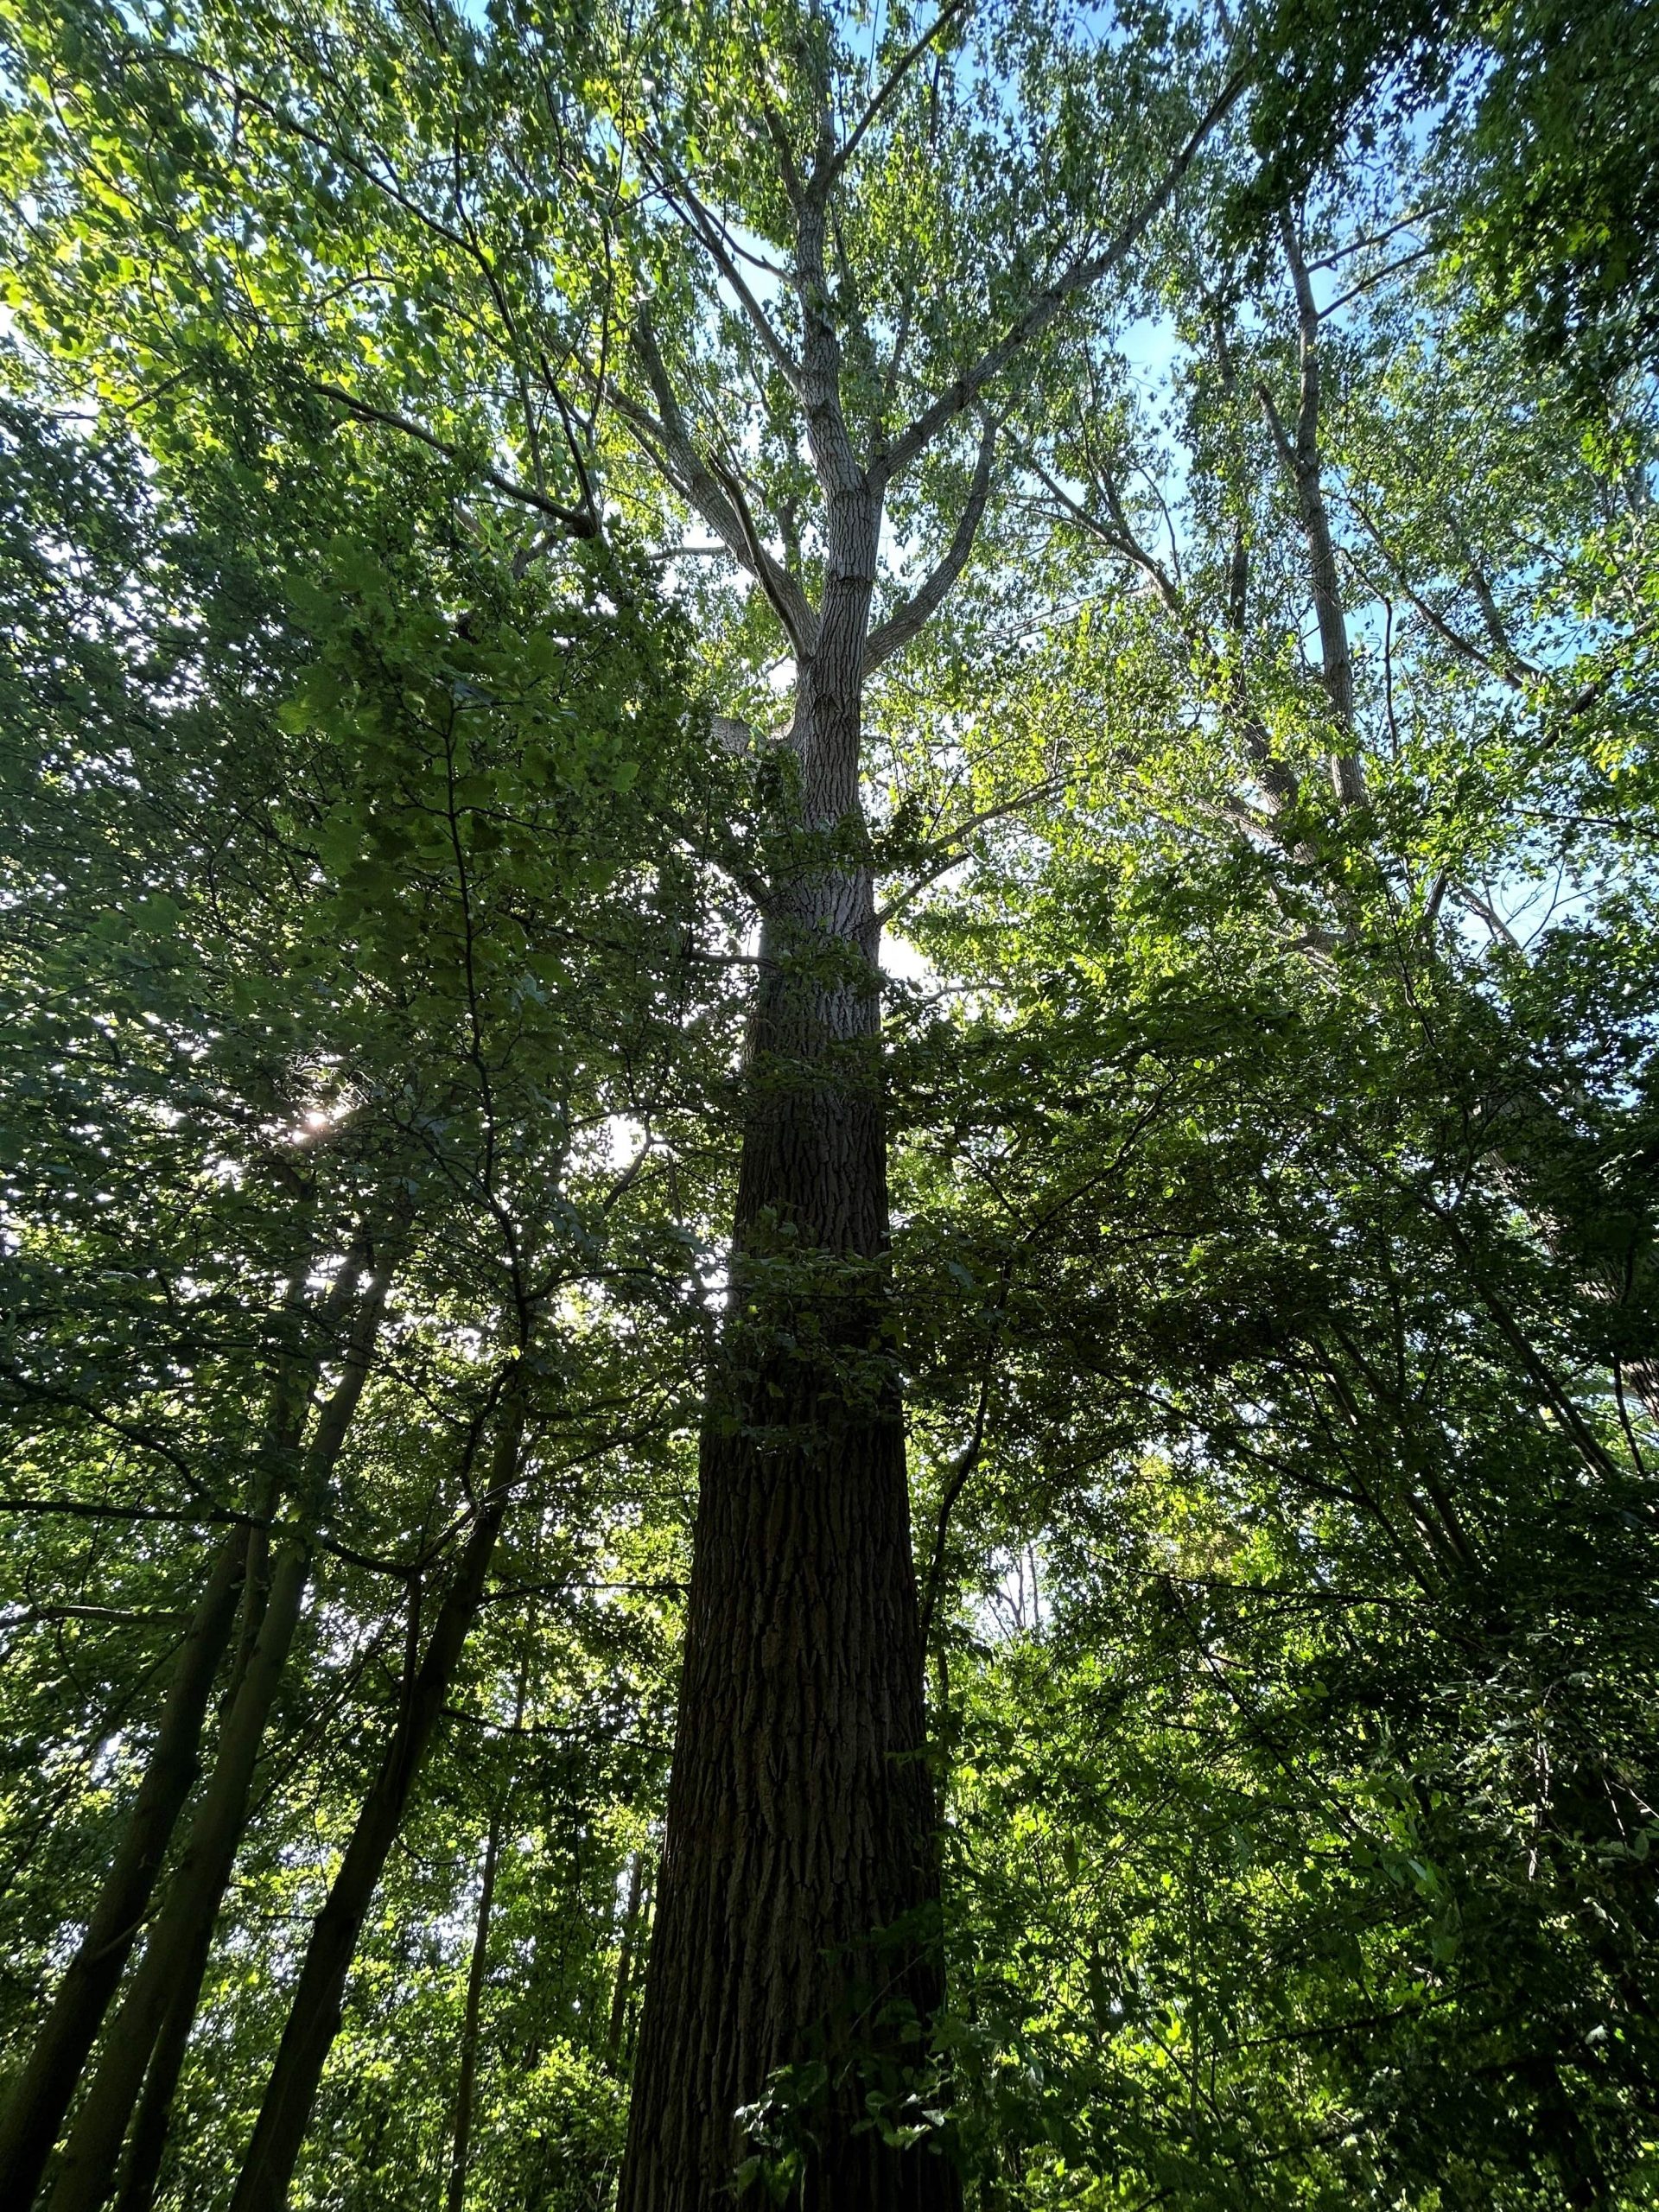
<point x="828" y="1311"/>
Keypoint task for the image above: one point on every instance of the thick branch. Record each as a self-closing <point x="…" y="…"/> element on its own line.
<point x="827" y="434"/>
<point x="967" y="1460"/>
<point x="1119" y="537"/>
<point x="667" y="438"/>
<point x="576" y="522"/>
<point x="893" y="635"/>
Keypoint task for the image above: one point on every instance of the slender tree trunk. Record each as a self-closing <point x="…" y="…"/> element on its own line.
<point x="1303" y="465"/>
<point x="88" y="2169"/>
<point x="148" y="2142"/>
<point x="625" y="1959"/>
<point x="461" y="2139"/>
<point x="43" y="2090"/>
<point x="799" y="1867"/>
<point x="466" y="2068"/>
<point x="150" y="2127"/>
<point x="87" y="2172"/>
<point x="314" y="2017"/>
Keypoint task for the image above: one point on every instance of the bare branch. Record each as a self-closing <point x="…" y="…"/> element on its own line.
<point x="75" y="1509"/>
<point x="716" y="240"/>
<point x="823" y="180"/>
<point x="1377" y="277"/>
<point x="1339" y="254"/>
<point x="576" y="522"/>
<point x="1488" y="914"/>
<point x="1118" y="538"/>
<point x="1459" y="644"/>
<point x="947" y="850"/>
<point x="788" y="602"/>
<point x="37" y="1613"/>
<point x="1493" y="619"/>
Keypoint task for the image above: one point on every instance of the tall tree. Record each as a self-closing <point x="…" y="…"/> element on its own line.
<point x="1272" y="1308"/>
<point x="793" y="1970"/>
<point x="747" y="182"/>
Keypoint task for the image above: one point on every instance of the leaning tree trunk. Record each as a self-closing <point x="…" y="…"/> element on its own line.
<point x="183" y="1928"/>
<point x="147" y="2145"/>
<point x="315" y="2015"/>
<point x="799" y="1874"/>
<point x="45" y="2086"/>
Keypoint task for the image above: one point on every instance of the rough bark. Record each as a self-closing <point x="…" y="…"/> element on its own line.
<point x="87" y="2171"/>
<point x="798" y="1870"/>
<point x="315" y="2016"/>
<point x="798" y="1878"/>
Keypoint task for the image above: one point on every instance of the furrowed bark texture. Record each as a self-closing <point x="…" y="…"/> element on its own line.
<point x="315" y="2016"/>
<point x="799" y="1857"/>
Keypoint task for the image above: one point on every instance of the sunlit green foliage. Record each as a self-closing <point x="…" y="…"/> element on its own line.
<point x="1273" y="1080"/>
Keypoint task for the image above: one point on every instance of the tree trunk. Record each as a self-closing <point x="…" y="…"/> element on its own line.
<point x="466" y="2068"/>
<point x="149" y="2127"/>
<point x="467" y="2071"/>
<point x="43" y="2090"/>
<point x="624" y="1982"/>
<point x="798" y="1875"/>
<point x="184" y="1926"/>
<point x="314" y="2017"/>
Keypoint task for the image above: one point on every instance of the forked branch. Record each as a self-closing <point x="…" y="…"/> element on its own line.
<point x="901" y="625"/>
